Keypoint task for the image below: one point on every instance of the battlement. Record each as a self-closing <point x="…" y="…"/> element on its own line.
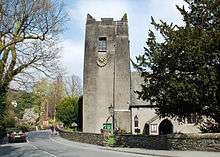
<point x="107" y="21"/>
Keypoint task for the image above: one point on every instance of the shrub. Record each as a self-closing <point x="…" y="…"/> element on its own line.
<point x="9" y="119"/>
<point x="2" y="131"/>
<point x="210" y="126"/>
<point x="25" y="127"/>
<point x="66" y="110"/>
<point x="110" y="141"/>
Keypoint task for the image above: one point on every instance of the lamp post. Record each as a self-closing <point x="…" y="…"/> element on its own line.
<point x="113" y="93"/>
<point x="111" y="111"/>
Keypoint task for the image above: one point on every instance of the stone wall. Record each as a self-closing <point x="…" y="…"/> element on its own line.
<point x="200" y="142"/>
<point x="140" y="141"/>
<point x="90" y="138"/>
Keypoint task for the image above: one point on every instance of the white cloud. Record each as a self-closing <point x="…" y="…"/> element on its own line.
<point x="140" y="21"/>
<point x="98" y="9"/>
<point x="166" y="10"/>
<point x="72" y="56"/>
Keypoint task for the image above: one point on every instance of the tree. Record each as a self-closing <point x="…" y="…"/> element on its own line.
<point x="182" y="73"/>
<point x="49" y="93"/>
<point x="30" y="116"/>
<point x="66" y="110"/>
<point x="79" y="113"/>
<point x="8" y="119"/>
<point x="73" y="86"/>
<point x="22" y="100"/>
<point x="29" y="32"/>
<point x="57" y="93"/>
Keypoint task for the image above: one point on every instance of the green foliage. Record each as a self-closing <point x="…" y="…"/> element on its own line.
<point x="2" y="131"/>
<point x="182" y="73"/>
<point x="110" y="141"/>
<point x="25" y="100"/>
<point x="3" y="102"/>
<point x="2" y="105"/>
<point x="79" y="111"/>
<point x="210" y="126"/>
<point x="25" y="127"/>
<point x="52" y="121"/>
<point x="66" y="110"/>
<point x="48" y="94"/>
<point x="9" y="118"/>
<point x="70" y="129"/>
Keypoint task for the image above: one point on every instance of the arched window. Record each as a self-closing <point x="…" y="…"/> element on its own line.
<point x="135" y="121"/>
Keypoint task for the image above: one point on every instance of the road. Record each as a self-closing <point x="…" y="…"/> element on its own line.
<point x="54" y="146"/>
<point x="57" y="147"/>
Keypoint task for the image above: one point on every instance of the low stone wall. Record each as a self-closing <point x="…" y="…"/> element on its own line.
<point x="89" y="138"/>
<point x="202" y="142"/>
<point x="140" y="141"/>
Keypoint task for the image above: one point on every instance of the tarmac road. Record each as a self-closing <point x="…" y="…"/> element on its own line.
<point x="57" y="147"/>
<point x="41" y="144"/>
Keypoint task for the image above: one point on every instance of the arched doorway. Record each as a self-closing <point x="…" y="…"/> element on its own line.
<point x="165" y="127"/>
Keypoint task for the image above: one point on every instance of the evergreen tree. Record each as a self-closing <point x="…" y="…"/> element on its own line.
<point x="66" y="110"/>
<point x="182" y="73"/>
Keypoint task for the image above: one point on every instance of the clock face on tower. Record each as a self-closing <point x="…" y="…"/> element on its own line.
<point x="102" y="59"/>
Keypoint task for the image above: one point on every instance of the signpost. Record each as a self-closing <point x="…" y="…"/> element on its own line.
<point x="107" y="127"/>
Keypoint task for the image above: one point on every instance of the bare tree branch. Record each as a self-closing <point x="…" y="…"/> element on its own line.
<point x="29" y="30"/>
<point x="73" y="85"/>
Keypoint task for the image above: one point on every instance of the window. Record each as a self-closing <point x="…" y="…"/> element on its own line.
<point x="136" y="121"/>
<point x="153" y="128"/>
<point x="102" y="44"/>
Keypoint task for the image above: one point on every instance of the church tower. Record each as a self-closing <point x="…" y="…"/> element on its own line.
<point x="106" y="78"/>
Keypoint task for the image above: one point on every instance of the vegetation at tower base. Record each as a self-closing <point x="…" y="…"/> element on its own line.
<point x="182" y="73"/>
<point x="66" y="110"/>
<point x="79" y="111"/>
<point x="2" y="110"/>
<point x="29" y="33"/>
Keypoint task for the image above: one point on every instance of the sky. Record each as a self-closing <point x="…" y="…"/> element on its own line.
<point x="139" y="17"/>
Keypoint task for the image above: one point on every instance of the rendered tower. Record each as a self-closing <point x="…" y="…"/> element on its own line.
<point x="106" y="79"/>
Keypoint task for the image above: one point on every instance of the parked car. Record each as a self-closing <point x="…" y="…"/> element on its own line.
<point x="16" y="135"/>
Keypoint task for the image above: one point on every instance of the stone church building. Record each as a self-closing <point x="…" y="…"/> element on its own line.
<point x="109" y="101"/>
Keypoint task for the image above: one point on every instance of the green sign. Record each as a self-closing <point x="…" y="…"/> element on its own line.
<point x="107" y="126"/>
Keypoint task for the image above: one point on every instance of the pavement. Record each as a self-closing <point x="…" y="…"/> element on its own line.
<point x="166" y="153"/>
<point x="42" y="144"/>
